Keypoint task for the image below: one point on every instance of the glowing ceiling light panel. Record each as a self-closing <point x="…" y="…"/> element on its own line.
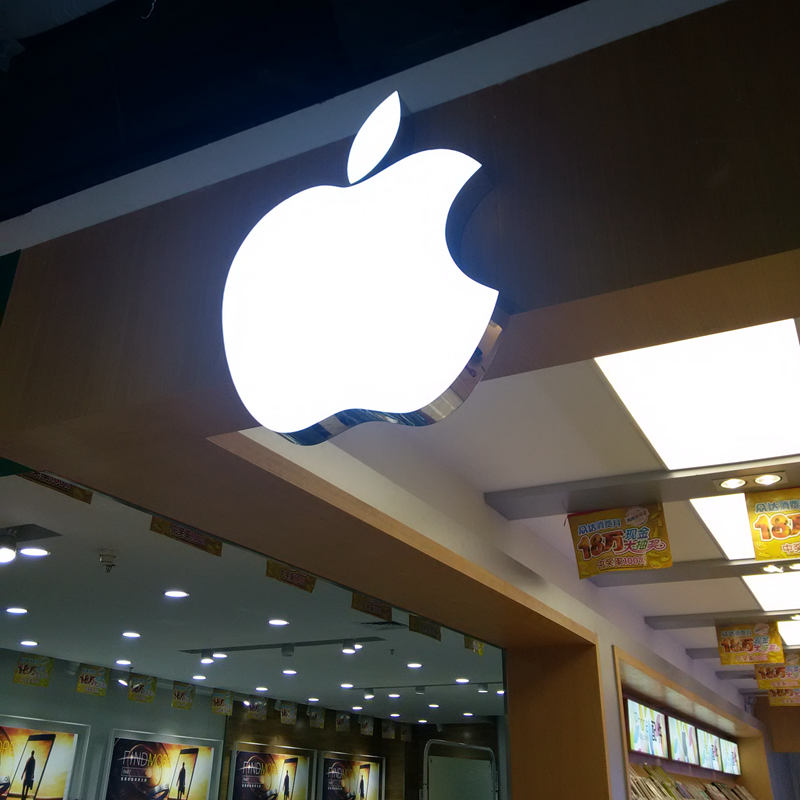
<point x="344" y="305"/>
<point x="790" y="632"/>
<point x="698" y="401"/>
<point x="775" y="591"/>
<point x="725" y="516"/>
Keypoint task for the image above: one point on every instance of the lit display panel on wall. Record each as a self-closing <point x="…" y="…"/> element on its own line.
<point x="647" y="730"/>
<point x="708" y="744"/>
<point x="683" y="741"/>
<point x="729" y="752"/>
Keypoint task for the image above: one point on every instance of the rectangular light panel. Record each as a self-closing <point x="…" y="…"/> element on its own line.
<point x="708" y="400"/>
<point x="790" y="632"/>
<point x="726" y="518"/>
<point x="776" y="592"/>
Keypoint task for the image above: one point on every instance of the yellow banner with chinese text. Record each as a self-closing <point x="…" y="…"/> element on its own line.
<point x="620" y="539"/>
<point x="775" y="523"/>
<point x="750" y="643"/>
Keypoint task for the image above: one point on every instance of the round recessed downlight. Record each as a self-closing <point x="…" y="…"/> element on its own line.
<point x="358" y="646"/>
<point x="732" y="483"/>
<point x="346" y="685"/>
<point x="131" y="635"/>
<point x="358" y="708"/>
<point x="501" y="691"/>
<point x="394" y="695"/>
<point x="176" y="594"/>
<point x="198" y="677"/>
<point x="7" y="553"/>
<point x="123" y="662"/>
<point x="369" y="694"/>
<point x="422" y="721"/>
<point x="278" y="623"/>
<point x="772" y="568"/>
<point x="122" y="682"/>
<point x="262" y="689"/>
<point x="219" y="655"/>
<point x="414" y="665"/>
<point x="34" y="552"/>
<point x="18" y="610"/>
<point x="483" y="688"/>
<point x="29" y="643"/>
<point x="206" y="660"/>
<point x="289" y="671"/>
<point x="246" y="703"/>
<point x="313" y="699"/>
<point x="768" y="479"/>
<point x="394" y="716"/>
<point x="462" y="680"/>
<point x="433" y="705"/>
<point x="467" y="714"/>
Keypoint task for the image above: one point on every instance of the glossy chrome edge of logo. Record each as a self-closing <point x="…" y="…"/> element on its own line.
<point x="469" y="377"/>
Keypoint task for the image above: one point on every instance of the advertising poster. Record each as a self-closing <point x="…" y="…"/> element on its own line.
<point x="271" y="773"/>
<point x="784" y="697"/>
<point x="710" y="756"/>
<point x="342" y="722"/>
<point x="683" y="741"/>
<point x="257" y="709"/>
<point x="141" y="769"/>
<point x="405" y="733"/>
<point x="367" y="725"/>
<point x="750" y="643"/>
<point x="182" y="695"/>
<point x="316" y="717"/>
<point x="92" y="680"/>
<point x="729" y="753"/>
<point x="288" y="712"/>
<point x="775" y="523"/>
<point x="142" y="688"/>
<point x="33" y="670"/>
<point x="346" y="777"/>
<point x="387" y="729"/>
<point x="222" y="702"/>
<point x="35" y="763"/>
<point x="779" y="676"/>
<point x="620" y="539"/>
<point x="648" y="730"/>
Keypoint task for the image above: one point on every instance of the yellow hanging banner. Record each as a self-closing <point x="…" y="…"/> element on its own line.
<point x="784" y="697"/>
<point x="775" y="523"/>
<point x="779" y="676"/>
<point x="620" y="539"/>
<point x="750" y="643"/>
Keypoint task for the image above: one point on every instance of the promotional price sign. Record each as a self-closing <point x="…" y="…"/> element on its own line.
<point x="750" y="643"/>
<point x="775" y="523"/>
<point x="784" y="697"/>
<point x="182" y="695"/>
<point x="222" y="702"/>
<point x="92" y="680"/>
<point x="620" y="539"/>
<point x="32" y="670"/>
<point x="779" y="676"/>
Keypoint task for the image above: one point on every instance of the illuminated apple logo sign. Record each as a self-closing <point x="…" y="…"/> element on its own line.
<point x="343" y="304"/>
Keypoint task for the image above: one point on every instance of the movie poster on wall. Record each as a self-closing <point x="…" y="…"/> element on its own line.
<point x="267" y="772"/>
<point x="35" y="763"/>
<point x="147" y="769"/>
<point x="351" y="777"/>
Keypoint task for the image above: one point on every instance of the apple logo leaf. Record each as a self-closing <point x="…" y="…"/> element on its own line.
<point x="374" y="138"/>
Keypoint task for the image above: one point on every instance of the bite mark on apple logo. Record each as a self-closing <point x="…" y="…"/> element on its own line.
<point x="343" y="304"/>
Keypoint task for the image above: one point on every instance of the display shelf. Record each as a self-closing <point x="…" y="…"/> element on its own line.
<point x="652" y="782"/>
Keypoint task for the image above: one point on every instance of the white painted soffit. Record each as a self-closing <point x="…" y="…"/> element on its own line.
<point x="495" y="60"/>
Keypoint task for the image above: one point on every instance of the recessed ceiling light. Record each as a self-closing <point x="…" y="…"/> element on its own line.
<point x="369" y="694"/>
<point x="733" y="483"/>
<point x="394" y="695"/>
<point x="289" y="671"/>
<point x="433" y="705"/>
<point x="501" y="691"/>
<point x="483" y="688"/>
<point x="790" y="632"/>
<point x="414" y="665"/>
<point x="177" y="594"/>
<point x="219" y="655"/>
<point x="34" y="552"/>
<point x="123" y="662"/>
<point x="206" y="660"/>
<point x="313" y="699"/>
<point x="772" y="568"/>
<point x="246" y="703"/>
<point x="693" y="428"/>
<point x="726" y="518"/>
<point x="8" y="549"/>
<point x="262" y="689"/>
<point x="462" y="680"/>
<point x="29" y="643"/>
<point x="358" y="646"/>
<point x="16" y="610"/>
<point x="346" y="685"/>
<point x="348" y="648"/>
<point x="358" y="708"/>
<point x="775" y="592"/>
<point x="122" y="682"/>
<point x="768" y="480"/>
<point x="395" y="715"/>
<point x="467" y="714"/>
<point x="131" y="634"/>
<point x="198" y="677"/>
<point x="419" y="690"/>
<point x="278" y="623"/>
<point x="422" y="721"/>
